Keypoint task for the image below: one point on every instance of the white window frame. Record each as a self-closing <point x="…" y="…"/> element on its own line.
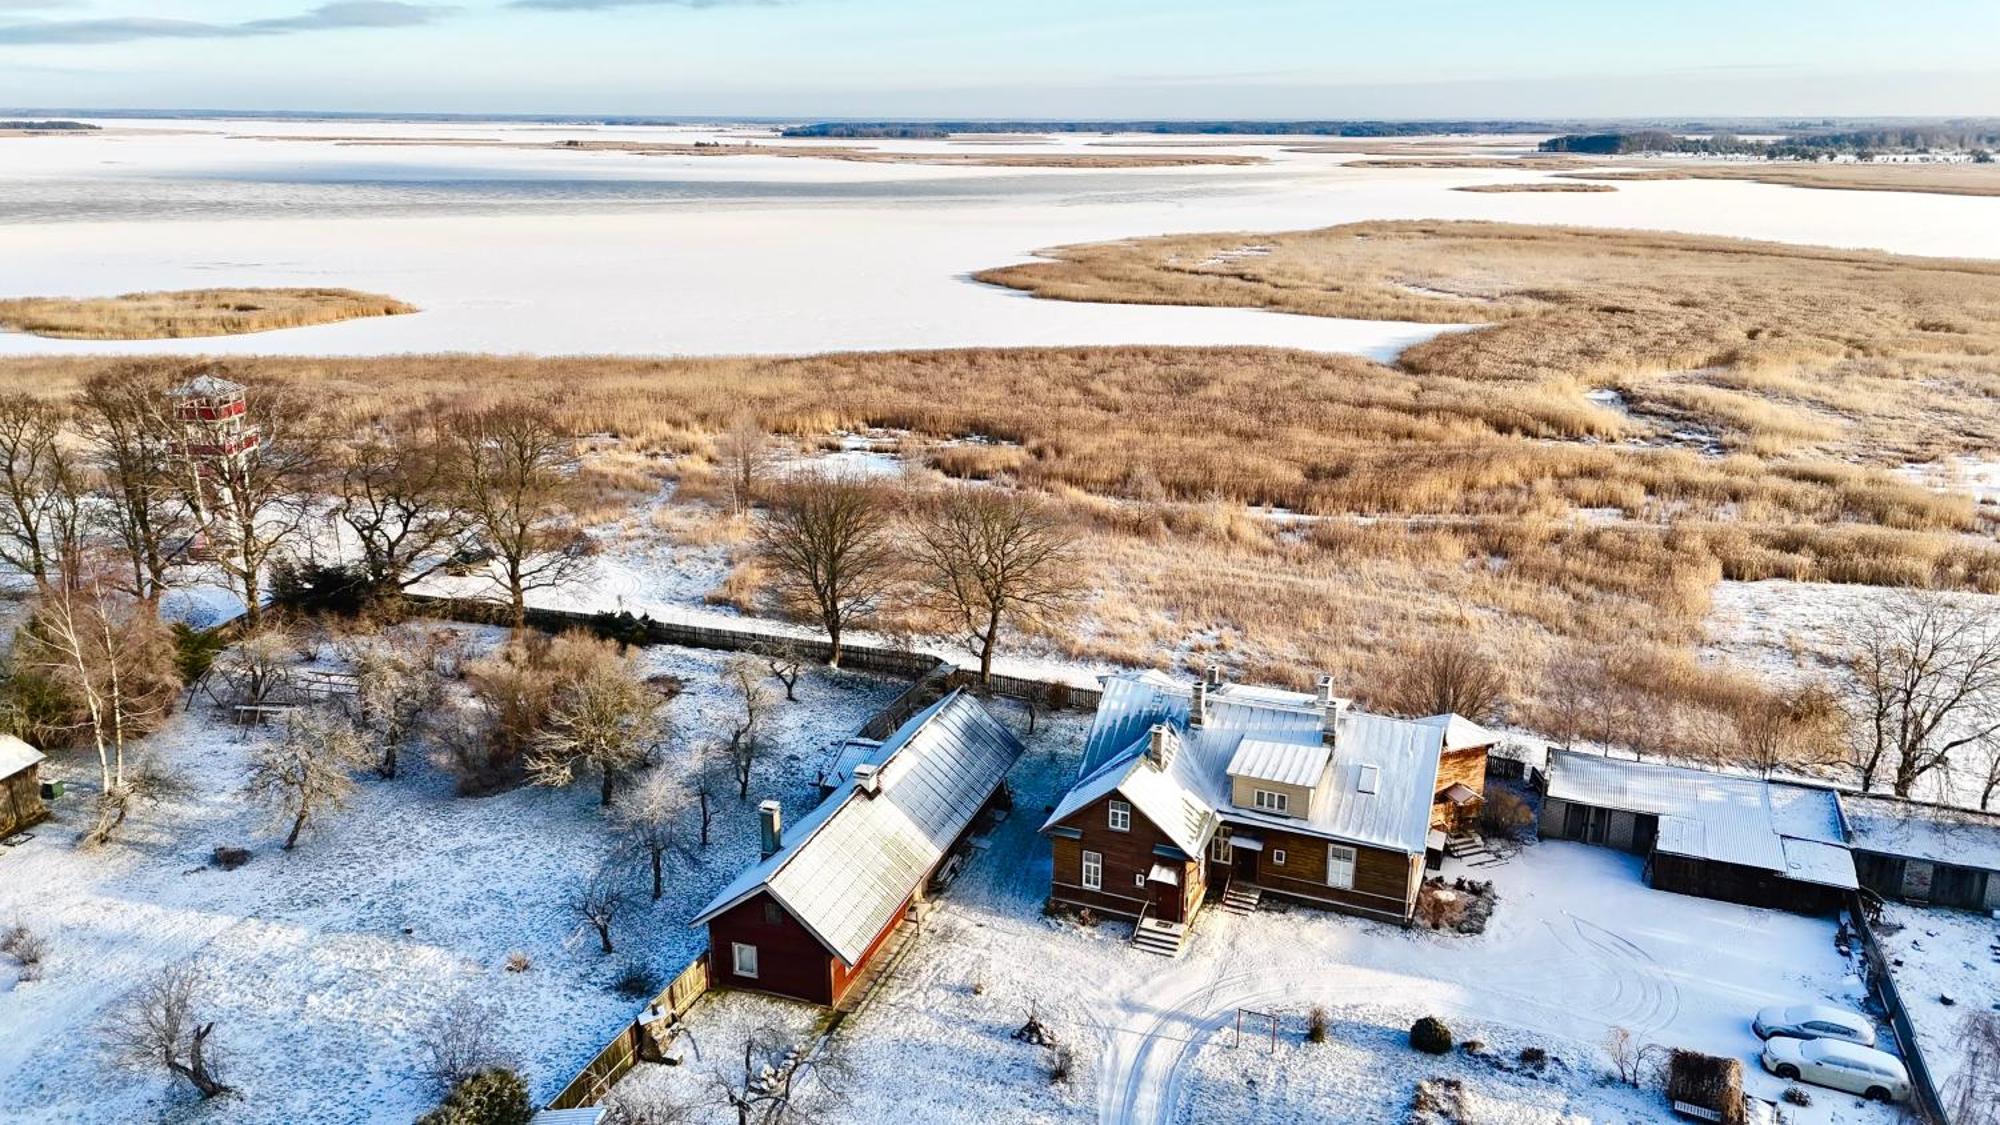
<point x="1222" y="849"/>
<point x="740" y="954"/>
<point x="1271" y="801"/>
<point x="1139" y="879"/>
<point x="1120" y="816"/>
<point x="1342" y="865"/>
<point x="1093" y="871"/>
<point x="1277" y="857"/>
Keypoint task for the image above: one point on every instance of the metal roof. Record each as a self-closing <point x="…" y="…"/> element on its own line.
<point x="16" y="755"/>
<point x="1461" y="733"/>
<point x="1185" y="799"/>
<point x="850" y="864"/>
<point x="1906" y="830"/>
<point x="1792" y="830"/>
<point x="1286" y="763"/>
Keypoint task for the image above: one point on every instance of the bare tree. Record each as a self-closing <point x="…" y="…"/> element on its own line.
<point x="706" y="779"/>
<point x="785" y="660"/>
<point x="40" y="487"/>
<point x="260" y="500"/>
<point x="743" y="454"/>
<point x="746" y="736"/>
<point x="1974" y="1090"/>
<point x="1449" y="677"/>
<point x="113" y="661"/>
<point x="827" y="542"/>
<point x="1788" y="726"/>
<point x="257" y="668"/>
<point x="123" y="418"/>
<point x="399" y="490"/>
<point x="163" y="1029"/>
<point x="519" y="479"/>
<point x="1924" y="687"/>
<point x="608" y="719"/>
<point x="308" y="771"/>
<point x="597" y="900"/>
<point x="991" y="559"/>
<point x="649" y="815"/>
<point x="780" y="1083"/>
<point x="1632" y="1061"/>
<point x="460" y="1040"/>
<point x="394" y="686"/>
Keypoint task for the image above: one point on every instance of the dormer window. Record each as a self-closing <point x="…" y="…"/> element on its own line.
<point x="1270" y="800"/>
<point x="1121" y="816"/>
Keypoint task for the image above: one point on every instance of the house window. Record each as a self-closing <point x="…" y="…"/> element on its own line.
<point x="743" y="959"/>
<point x="1340" y="866"/>
<point x="1277" y="857"/>
<point x="1139" y="879"/>
<point x="1093" y="871"/>
<point x="772" y="915"/>
<point x="1222" y="851"/>
<point x="1121" y="816"/>
<point x="1269" y="801"/>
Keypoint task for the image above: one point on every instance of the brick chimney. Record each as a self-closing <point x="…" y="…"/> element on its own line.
<point x="770" y="827"/>
<point x="1160" y="745"/>
<point x="1198" y="705"/>
<point x="868" y="778"/>
<point x="1326" y="691"/>
<point x="1215" y="675"/>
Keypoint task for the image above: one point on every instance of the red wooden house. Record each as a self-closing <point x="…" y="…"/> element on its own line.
<point x="809" y="920"/>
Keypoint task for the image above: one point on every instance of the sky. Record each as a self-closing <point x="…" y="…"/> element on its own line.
<point x="1021" y="58"/>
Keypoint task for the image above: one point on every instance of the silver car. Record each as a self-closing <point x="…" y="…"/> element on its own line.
<point x="1875" y="1075"/>
<point x="1814" y="1021"/>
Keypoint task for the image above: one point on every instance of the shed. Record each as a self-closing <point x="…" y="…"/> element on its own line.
<point x="807" y="920"/>
<point x="1925" y="853"/>
<point x="1739" y="839"/>
<point x="20" y="785"/>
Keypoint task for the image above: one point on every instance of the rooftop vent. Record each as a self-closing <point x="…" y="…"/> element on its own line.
<point x="1370" y="779"/>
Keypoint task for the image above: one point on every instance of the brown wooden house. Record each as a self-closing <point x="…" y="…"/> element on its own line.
<point x="20" y="785"/>
<point x="1229" y="791"/>
<point x="812" y="918"/>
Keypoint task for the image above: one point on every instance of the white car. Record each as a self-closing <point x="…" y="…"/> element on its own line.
<point x="1875" y="1075"/>
<point x="1813" y="1021"/>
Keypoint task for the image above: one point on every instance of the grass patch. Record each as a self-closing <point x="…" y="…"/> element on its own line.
<point x="189" y="312"/>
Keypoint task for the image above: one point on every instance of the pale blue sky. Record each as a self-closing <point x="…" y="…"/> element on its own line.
<point x="1042" y="58"/>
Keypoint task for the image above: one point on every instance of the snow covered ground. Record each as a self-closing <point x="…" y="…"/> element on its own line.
<point x="1579" y="945"/>
<point x="1938" y="954"/>
<point x="554" y="252"/>
<point x="323" y="966"/>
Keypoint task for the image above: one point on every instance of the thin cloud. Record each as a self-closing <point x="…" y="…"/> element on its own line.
<point x="606" y="5"/>
<point x="337" y="15"/>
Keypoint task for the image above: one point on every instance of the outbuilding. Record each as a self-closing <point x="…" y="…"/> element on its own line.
<point x="1739" y="839"/>
<point x="20" y="785"/>
<point x="1925" y="853"/>
<point x="816" y="915"/>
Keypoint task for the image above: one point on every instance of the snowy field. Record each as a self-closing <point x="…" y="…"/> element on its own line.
<point x="325" y="965"/>
<point x="555" y="252"/>
<point x="1578" y="945"/>
<point x="1938" y="955"/>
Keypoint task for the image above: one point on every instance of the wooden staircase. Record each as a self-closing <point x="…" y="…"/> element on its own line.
<point x="1156" y="936"/>
<point x="1242" y="898"/>
<point x="1470" y="850"/>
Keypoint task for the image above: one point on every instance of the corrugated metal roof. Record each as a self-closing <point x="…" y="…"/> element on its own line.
<point x="1811" y="861"/>
<point x="590" y="1115"/>
<point x="850" y="864"/>
<point x="1959" y="837"/>
<point x="16" y="755"/>
<point x="1185" y="799"/>
<point x="1287" y="763"/>
<point x="1703" y="815"/>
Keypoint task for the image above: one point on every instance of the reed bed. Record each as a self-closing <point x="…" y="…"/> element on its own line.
<point x="182" y="313"/>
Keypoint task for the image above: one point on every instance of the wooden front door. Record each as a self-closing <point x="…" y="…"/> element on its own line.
<point x="1166" y="899"/>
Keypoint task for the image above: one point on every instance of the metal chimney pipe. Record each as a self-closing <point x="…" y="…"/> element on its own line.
<point x="771" y="827"/>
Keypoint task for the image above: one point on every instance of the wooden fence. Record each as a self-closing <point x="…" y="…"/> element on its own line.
<point x="751" y="636"/>
<point x="1929" y="1099"/>
<point x="630" y="1044"/>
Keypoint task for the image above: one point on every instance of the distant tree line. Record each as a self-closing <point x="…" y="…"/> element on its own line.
<point x="1793" y="146"/>
<point x="932" y="129"/>
<point x="46" y="126"/>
